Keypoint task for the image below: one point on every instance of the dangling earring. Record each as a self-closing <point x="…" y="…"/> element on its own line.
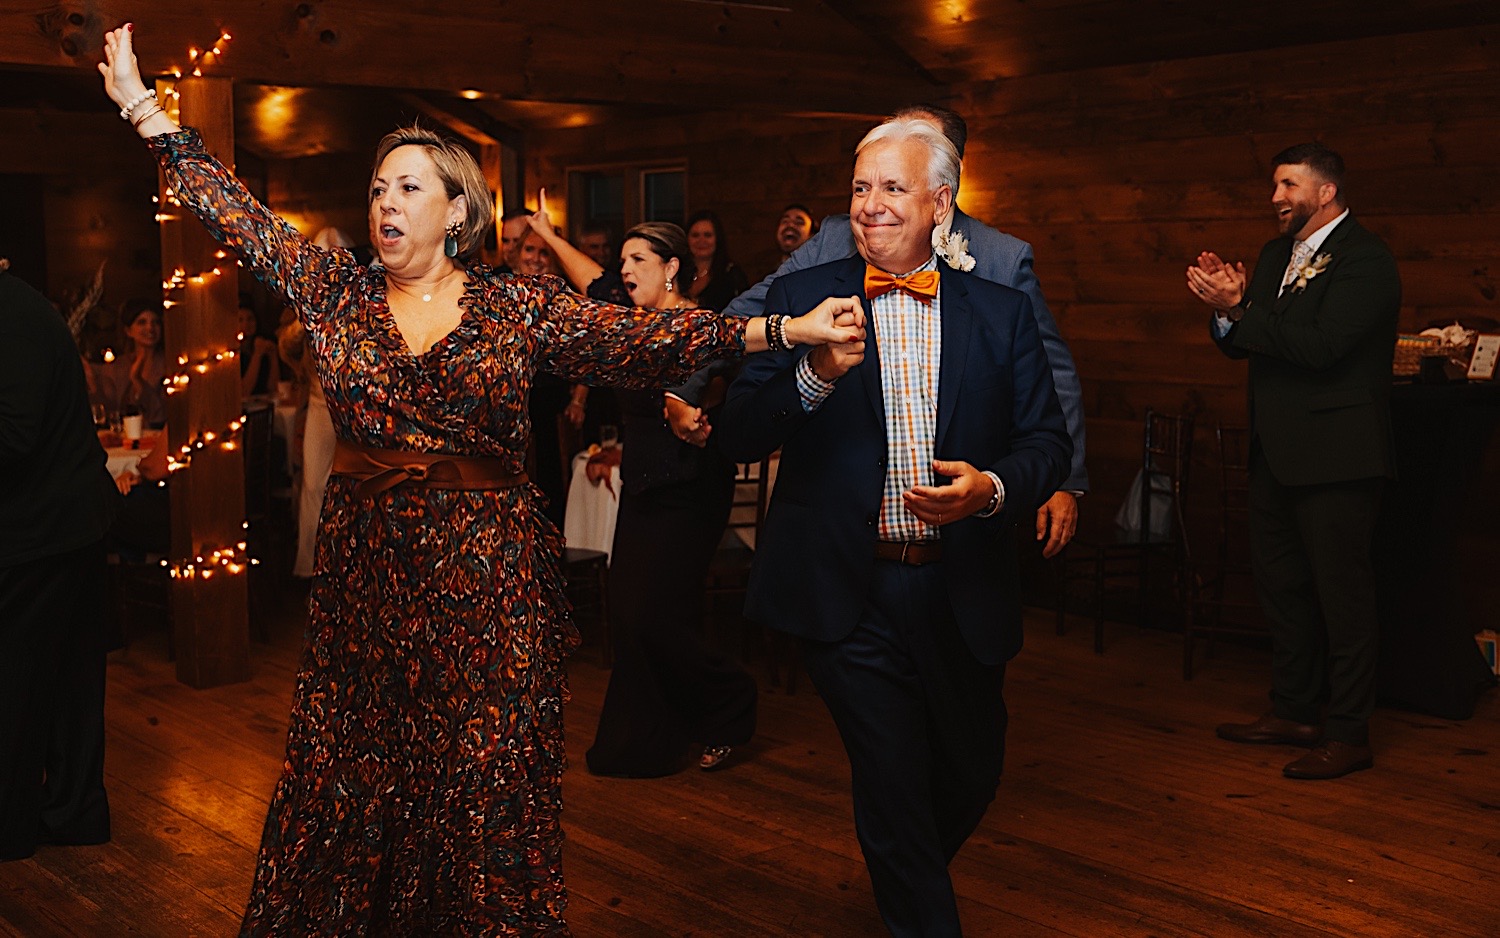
<point x="669" y="285"/>
<point x="450" y="242"/>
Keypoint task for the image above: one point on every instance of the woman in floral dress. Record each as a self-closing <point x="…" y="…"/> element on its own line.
<point x="421" y="789"/>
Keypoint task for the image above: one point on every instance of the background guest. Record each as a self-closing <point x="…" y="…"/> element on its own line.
<point x="534" y="257"/>
<point x="716" y="279"/>
<point x="134" y="379"/>
<point x="260" y="365"/>
<point x="513" y="227"/>
<point x="793" y="229"/>
<point x="593" y="240"/>
<point x="56" y="501"/>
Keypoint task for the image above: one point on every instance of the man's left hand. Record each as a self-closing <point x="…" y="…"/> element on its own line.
<point x="970" y="491"/>
<point x="689" y="424"/>
<point x="1056" y="522"/>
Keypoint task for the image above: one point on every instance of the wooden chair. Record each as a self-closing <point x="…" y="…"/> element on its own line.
<point x="1220" y="597"/>
<point x="141" y="590"/>
<point x="729" y="574"/>
<point x="1166" y="455"/>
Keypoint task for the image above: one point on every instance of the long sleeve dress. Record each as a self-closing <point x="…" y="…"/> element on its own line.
<point x="421" y="790"/>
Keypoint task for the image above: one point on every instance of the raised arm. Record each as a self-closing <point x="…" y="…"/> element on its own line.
<point x="273" y="250"/>
<point x="619" y="346"/>
<point x="579" y="269"/>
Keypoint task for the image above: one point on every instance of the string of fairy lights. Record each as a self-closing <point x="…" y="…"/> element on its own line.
<point x="228" y="559"/>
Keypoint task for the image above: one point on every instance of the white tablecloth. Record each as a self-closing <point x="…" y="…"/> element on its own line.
<point x="589" y="518"/>
<point x="123" y="459"/>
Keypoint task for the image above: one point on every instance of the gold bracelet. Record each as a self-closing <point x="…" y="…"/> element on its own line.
<point x="150" y="113"/>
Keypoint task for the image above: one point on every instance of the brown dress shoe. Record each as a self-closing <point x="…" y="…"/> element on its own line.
<point x="1271" y="729"/>
<point x="1333" y="759"/>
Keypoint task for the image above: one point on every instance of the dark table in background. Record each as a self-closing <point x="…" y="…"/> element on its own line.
<point x="1429" y="661"/>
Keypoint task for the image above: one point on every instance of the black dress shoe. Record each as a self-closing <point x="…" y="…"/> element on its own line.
<point x="1333" y="759"/>
<point x="1271" y="729"/>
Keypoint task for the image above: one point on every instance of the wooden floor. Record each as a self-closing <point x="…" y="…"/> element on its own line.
<point x="1120" y="814"/>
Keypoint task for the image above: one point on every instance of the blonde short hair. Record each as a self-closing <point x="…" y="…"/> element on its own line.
<point x="459" y="173"/>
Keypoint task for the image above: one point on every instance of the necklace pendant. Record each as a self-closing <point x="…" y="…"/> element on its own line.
<point x="427" y="298"/>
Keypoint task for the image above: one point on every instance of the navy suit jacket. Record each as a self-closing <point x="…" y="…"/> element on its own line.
<point x="997" y="410"/>
<point x="1002" y="258"/>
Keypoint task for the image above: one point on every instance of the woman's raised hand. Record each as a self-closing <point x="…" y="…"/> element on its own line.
<point x="539" y="220"/>
<point x="122" y="74"/>
<point x="836" y="320"/>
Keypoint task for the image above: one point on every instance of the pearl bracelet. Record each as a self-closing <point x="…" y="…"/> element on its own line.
<point x="134" y="103"/>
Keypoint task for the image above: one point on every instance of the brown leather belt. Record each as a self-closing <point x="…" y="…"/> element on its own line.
<point x="381" y="469"/>
<point x="915" y="553"/>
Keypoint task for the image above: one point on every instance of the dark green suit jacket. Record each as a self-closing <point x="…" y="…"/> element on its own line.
<point x="1320" y="359"/>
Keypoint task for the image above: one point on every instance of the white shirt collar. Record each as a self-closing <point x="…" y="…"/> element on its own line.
<point x="1316" y="239"/>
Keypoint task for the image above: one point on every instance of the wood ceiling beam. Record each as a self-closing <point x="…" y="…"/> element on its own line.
<point x="696" y="55"/>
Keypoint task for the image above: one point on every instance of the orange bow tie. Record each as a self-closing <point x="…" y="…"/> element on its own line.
<point x="922" y="285"/>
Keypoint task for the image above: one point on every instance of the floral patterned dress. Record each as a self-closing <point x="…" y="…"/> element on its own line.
<point x="421" y="790"/>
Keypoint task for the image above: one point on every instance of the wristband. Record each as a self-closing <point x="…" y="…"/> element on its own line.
<point x="134" y="103"/>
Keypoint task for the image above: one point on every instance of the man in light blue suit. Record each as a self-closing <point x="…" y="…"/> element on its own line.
<point x="999" y="258"/>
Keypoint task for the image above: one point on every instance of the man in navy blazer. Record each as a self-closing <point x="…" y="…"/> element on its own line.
<point x="907" y="459"/>
<point x="998" y="257"/>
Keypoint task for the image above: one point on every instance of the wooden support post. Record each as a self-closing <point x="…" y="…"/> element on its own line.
<point x="489" y="164"/>
<point x="209" y="603"/>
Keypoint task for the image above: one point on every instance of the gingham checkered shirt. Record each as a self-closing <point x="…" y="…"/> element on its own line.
<point x="911" y="353"/>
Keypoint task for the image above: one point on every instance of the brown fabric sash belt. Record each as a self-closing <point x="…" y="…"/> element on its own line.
<point x="915" y="553"/>
<point x="381" y="469"/>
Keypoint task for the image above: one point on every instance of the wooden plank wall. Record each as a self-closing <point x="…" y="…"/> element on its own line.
<point x="97" y="181"/>
<point x="745" y="167"/>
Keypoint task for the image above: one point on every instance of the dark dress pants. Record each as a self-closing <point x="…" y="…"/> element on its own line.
<point x="668" y="691"/>
<point x="1310" y="550"/>
<point x="923" y="722"/>
<point x="52" y="648"/>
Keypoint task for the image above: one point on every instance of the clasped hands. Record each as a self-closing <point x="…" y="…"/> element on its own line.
<point x="1216" y="283"/>
<point x="836" y="327"/>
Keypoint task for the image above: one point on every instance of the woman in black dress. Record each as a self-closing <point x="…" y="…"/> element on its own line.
<point x="668" y="693"/>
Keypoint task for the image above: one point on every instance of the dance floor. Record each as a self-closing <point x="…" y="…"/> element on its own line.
<point x="1120" y="814"/>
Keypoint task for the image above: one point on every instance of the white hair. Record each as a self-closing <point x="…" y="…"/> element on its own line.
<point x="943" y="165"/>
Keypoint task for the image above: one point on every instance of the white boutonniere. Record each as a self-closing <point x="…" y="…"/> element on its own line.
<point x="1310" y="270"/>
<point x="952" y="247"/>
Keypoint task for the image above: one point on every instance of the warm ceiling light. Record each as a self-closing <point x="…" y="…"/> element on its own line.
<point x="471" y="94"/>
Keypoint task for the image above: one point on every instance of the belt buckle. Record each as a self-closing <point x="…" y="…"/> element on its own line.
<point x="905" y="546"/>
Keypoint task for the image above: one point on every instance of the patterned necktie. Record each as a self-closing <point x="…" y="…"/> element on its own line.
<point x="922" y="285"/>
<point x="1301" y="254"/>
